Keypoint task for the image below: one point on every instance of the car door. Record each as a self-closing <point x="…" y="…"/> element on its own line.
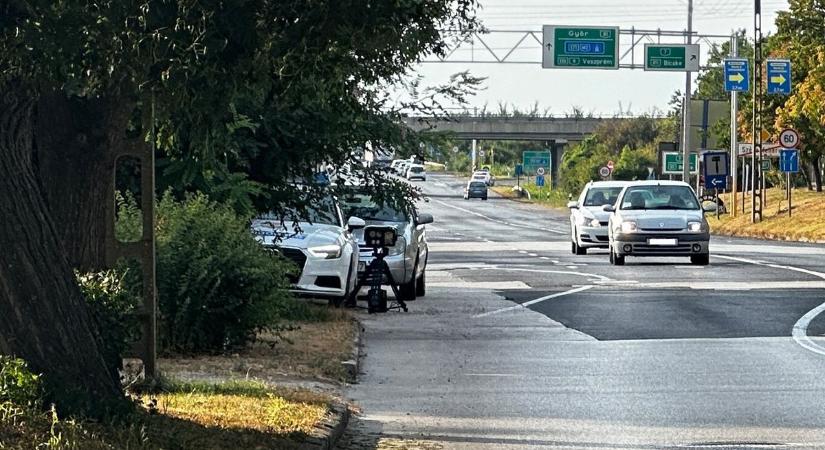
<point x="419" y="236"/>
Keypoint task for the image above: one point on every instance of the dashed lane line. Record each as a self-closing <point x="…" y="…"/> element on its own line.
<point x="533" y="302"/>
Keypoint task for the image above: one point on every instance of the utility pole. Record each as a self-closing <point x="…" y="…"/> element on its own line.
<point x="473" y="156"/>
<point x="757" y="193"/>
<point x="734" y="110"/>
<point x="686" y="105"/>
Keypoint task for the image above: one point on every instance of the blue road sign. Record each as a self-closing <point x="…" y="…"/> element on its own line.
<point x="789" y="161"/>
<point x="519" y="170"/>
<point x="779" y="76"/>
<point x="540" y="180"/>
<point x="715" y="170"/>
<point x="737" y="75"/>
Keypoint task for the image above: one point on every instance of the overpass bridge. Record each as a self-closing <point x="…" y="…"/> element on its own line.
<point x="555" y="132"/>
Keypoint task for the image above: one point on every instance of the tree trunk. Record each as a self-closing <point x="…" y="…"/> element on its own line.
<point x="43" y="317"/>
<point x="818" y="173"/>
<point x="73" y="138"/>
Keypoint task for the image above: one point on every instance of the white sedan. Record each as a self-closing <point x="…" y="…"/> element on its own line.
<point x="588" y="221"/>
<point x="325" y="250"/>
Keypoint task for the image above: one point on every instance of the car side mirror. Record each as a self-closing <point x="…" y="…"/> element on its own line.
<point x="608" y="208"/>
<point x="572" y="205"/>
<point x="355" y="223"/>
<point x="424" y="218"/>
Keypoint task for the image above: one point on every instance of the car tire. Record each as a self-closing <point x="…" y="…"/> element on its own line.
<point x="618" y="260"/>
<point x="574" y="248"/>
<point x="581" y="250"/>
<point x="421" y="285"/>
<point x="700" y="260"/>
<point x="406" y="291"/>
<point x="484" y="198"/>
<point x="338" y="301"/>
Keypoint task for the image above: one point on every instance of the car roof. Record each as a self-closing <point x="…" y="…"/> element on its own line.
<point x="608" y="183"/>
<point x="657" y="183"/>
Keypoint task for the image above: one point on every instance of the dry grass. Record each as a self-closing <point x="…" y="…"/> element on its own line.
<point x="311" y="350"/>
<point x="187" y="416"/>
<point x="806" y="224"/>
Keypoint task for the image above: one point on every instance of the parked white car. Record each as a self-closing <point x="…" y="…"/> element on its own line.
<point x="325" y="249"/>
<point x="483" y="175"/>
<point x="407" y="261"/>
<point x="588" y="219"/>
<point x="416" y="172"/>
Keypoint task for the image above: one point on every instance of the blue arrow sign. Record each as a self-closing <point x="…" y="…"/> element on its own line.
<point x="737" y="75"/>
<point x="715" y="170"/>
<point x="789" y="161"/>
<point x="540" y="180"/>
<point x="779" y="76"/>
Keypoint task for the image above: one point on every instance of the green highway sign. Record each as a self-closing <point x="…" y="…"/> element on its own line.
<point x="672" y="57"/>
<point x="532" y="160"/>
<point x="766" y="165"/>
<point x="672" y="162"/>
<point x="574" y="47"/>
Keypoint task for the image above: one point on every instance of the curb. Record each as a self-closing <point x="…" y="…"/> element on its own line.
<point x="330" y="430"/>
<point x="353" y="365"/>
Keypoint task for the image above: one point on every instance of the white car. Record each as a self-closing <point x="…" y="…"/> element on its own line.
<point x="483" y="175"/>
<point x="325" y="249"/>
<point x="407" y="261"/>
<point x="416" y="171"/>
<point x="588" y="220"/>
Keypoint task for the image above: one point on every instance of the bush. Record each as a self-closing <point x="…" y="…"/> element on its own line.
<point x="113" y="302"/>
<point x="18" y="385"/>
<point x="217" y="287"/>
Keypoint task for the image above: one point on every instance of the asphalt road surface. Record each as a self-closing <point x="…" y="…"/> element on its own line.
<point x="521" y="345"/>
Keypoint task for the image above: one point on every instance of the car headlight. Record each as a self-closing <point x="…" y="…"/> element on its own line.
<point x="595" y="223"/>
<point x="326" y="251"/>
<point x="583" y="221"/>
<point x="399" y="247"/>
<point x="696" y="227"/>
<point x="629" y="227"/>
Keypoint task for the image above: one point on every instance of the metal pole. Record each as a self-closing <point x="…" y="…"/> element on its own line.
<point x="473" y="156"/>
<point x="756" y="158"/>
<point x="789" y="194"/>
<point x="734" y="112"/>
<point x="686" y="107"/>
<point x="744" y="183"/>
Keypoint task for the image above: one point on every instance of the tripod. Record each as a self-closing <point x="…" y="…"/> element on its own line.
<point x="374" y="278"/>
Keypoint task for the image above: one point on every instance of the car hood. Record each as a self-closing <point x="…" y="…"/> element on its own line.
<point x="596" y="212"/>
<point x="399" y="228"/>
<point x="270" y="232"/>
<point x="664" y="219"/>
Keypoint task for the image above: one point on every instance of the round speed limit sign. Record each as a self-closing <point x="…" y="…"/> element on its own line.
<point x="604" y="172"/>
<point x="789" y="138"/>
<point x="540" y="171"/>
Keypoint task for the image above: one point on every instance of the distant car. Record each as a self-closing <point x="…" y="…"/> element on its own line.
<point x="381" y="164"/>
<point x="475" y="189"/>
<point x="485" y="176"/>
<point x="394" y="166"/>
<point x="416" y="172"/>
<point x="658" y="218"/>
<point x="588" y="221"/>
<point x="325" y="250"/>
<point x="401" y="170"/>
<point x="408" y="259"/>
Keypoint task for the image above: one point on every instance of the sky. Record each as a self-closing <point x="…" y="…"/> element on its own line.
<point x="601" y="92"/>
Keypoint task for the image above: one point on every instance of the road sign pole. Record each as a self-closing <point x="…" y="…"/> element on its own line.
<point x="789" y="195"/>
<point x="734" y="110"/>
<point x="686" y="106"/>
<point x="717" y="204"/>
<point x="756" y="131"/>
<point x="473" y="157"/>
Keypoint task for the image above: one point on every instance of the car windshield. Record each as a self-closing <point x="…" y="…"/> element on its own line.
<point x="323" y="212"/>
<point x="364" y="207"/>
<point x="659" y="197"/>
<point x="600" y="196"/>
<point x="416" y="169"/>
<point x="478" y="184"/>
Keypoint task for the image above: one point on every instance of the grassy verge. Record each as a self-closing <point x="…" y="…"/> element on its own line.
<point x="184" y="416"/>
<point x="312" y="348"/>
<point x="806" y="224"/>
<point x="552" y="198"/>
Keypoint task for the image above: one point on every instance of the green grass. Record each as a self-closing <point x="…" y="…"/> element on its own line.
<point x="553" y="198"/>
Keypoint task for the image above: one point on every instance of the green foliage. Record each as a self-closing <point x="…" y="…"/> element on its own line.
<point x="217" y="286"/>
<point x="18" y="385"/>
<point x="633" y="164"/>
<point x="113" y="301"/>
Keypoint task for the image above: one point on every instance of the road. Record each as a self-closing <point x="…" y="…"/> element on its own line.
<point x="521" y="345"/>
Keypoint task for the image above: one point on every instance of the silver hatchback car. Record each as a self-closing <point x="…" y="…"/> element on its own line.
<point x="658" y="218"/>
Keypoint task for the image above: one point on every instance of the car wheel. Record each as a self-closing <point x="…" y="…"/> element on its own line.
<point x="406" y="291"/>
<point x="581" y="250"/>
<point x="338" y="301"/>
<point x="484" y="198"/>
<point x="612" y="256"/>
<point x="700" y="260"/>
<point x="421" y="285"/>
<point x="574" y="249"/>
<point x="618" y="260"/>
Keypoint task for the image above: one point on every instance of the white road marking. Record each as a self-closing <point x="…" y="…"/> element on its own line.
<point x="561" y="272"/>
<point x="800" y="328"/>
<point x="501" y="222"/>
<point x="544" y="257"/>
<point x="533" y="302"/>
<point x="533" y="255"/>
<point x="488" y="285"/>
<point x="523" y="252"/>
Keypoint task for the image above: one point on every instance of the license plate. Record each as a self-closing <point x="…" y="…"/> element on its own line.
<point x="362" y="266"/>
<point x="663" y="242"/>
